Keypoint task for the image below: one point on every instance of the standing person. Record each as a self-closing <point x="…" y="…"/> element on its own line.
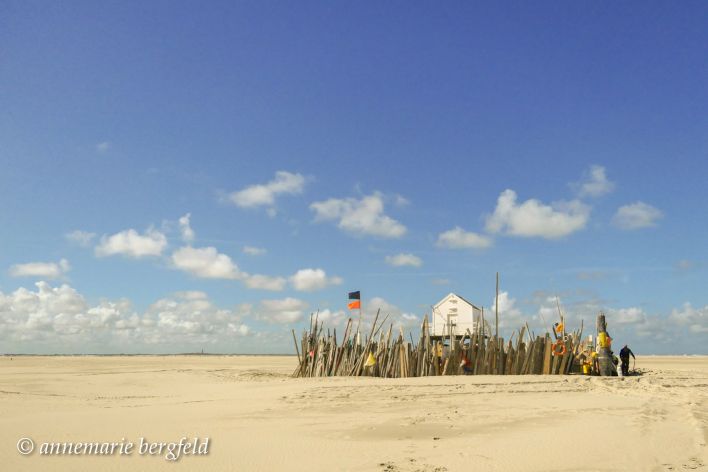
<point x="624" y="357"/>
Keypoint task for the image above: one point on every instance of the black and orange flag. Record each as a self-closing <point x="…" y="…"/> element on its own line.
<point x="355" y="300"/>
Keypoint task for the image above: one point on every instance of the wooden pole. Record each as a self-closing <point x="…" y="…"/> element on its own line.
<point x="296" y="349"/>
<point x="359" y="324"/>
<point x="496" y="308"/>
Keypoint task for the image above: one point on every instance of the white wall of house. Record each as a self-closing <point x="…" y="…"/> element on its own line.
<point x="462" y="314"/>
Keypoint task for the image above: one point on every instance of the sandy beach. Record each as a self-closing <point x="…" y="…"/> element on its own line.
<point x="258" y="418"/>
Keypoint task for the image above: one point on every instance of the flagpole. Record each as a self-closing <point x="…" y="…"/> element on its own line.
<point x="358" y="325"/>
<point x="360" y="307"/>
<point x="496" y="309"/>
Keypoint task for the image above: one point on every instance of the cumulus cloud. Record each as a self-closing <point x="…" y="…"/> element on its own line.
<point x="594" y="183"/>
<point x="59" y="319"/>
<point x="696" y="319"/>
<point x="46" y="270"/>
<point x="205" y="262"/>
<point x="192" y="295"/>
<point x="331" y="318"/>
<point x="284" y="183"/>
<point x="509" y="314"/>
<point x="264" y="282"/>
<point x="629" y="315"/>
<point x="81" y="238"/>
<point x="132" y="244"/>
<point x="636" y="216"/>
<point x="186" y="229"/>
<point x="404" y="259"/>
<point x="398" y="317"/>
<point x="103" y="146"/>
<point x="533" y="218"/>
<point x="507" y="305"/>
<point x="310" y="280"/>
<point x="254" y="251"/>
<point x="209" y="263"/>
<point x="458" y="238"/>
<point x="281" y="311"/>
<point x="363" y="217"/>
<point x="192" y="319"/>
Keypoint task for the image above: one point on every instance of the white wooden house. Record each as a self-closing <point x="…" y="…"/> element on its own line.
<point x="454" y="315"/>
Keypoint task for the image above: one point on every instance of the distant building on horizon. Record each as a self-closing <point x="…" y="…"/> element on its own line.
<point x="454" y="315"/>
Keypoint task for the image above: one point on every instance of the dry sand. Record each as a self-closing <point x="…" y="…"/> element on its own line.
<point x="259" y="419"/>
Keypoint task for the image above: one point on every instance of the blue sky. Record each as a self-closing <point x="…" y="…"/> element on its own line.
<point x="403" y="149"/>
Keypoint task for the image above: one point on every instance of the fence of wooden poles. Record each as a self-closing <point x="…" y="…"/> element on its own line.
<point x="384" y="353"/>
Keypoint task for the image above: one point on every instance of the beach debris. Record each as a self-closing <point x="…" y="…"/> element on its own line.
<point x="389" y="355"/>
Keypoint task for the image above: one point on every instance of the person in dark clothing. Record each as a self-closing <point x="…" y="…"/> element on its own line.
<point x="624" y="357"/>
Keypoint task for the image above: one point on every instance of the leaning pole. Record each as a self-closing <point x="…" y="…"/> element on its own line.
<point x="604" y="348"/>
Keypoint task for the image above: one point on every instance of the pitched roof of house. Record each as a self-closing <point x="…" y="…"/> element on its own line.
<point x="458" y="296"/>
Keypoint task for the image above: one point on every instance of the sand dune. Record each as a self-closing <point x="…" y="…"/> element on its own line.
<point x="258" y="418"/>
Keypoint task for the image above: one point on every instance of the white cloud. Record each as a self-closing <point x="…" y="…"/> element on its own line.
<point x="507" y="305"/>
<point x="509" y="314"/>
<point x="284" y="183"/>
<point x="59" y="319"/>
<point x="398" y="317"/>
<point x="209" y="263"/>
<point x="264" y="282"/>
<point x="103" y="146"/>
<point x="254" y="251"/>
<point x="595" y="183"/>
<point x="50" y="319"/>
<point x="82" y="238"/>
<point x="26" y="315"/>
<point x="284" y="311"/>
<point x="400" y="200"/>
<point x="629" y="315"/>
<point x="363" y="216"/>
<point x="205" y="262"/>
<point x="533" y="218"/>
<point x="186" y="229"/>
<point x="636" y="215"/>
<point x="192" y="295"/>
<point x="331" y="318"/>
<point x="696" y="319"/>
<point x="310" y="280"/>
<point x="403" y="259"/>
<point x="457" y="238"/>
<point x="48" y="270"/>
<point x="132" y="244"/>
